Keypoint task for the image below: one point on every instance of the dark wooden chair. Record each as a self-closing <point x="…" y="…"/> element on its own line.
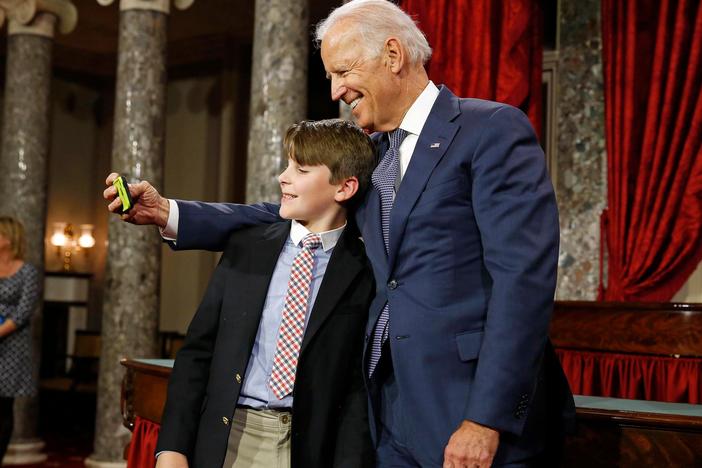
<point x="170" y="344"/>
<point x="83" y="367"/>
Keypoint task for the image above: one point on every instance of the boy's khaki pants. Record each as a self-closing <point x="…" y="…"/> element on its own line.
<point x="259" y="438"/>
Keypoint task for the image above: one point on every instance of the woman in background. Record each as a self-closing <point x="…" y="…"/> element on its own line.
<point x="19" y="294"/>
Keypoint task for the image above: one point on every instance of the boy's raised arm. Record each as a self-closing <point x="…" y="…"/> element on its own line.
<point x="208" y="226"/>
<point x="198" y="225"/>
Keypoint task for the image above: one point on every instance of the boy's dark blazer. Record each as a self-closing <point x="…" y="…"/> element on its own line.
<point x="330" y="418"/>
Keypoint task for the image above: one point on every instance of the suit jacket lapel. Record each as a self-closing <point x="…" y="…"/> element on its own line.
<point x="368" y="219"/>
<point x="440" y="129"/>
<point x="345" y="263"/>
<point x="263" y="257"/>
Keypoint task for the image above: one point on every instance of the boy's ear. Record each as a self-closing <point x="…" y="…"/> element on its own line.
<point x="346" y="189"/>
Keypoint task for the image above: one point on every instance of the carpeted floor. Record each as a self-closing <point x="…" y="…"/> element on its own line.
<point x="64" y="453"/>
<point x="67" y="426"/>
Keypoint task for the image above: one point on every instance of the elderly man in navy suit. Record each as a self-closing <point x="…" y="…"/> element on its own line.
<point x="461" y="228"/>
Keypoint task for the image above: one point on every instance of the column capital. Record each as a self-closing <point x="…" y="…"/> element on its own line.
<point x="164" y="6"/>
<point x="28" y="16"/>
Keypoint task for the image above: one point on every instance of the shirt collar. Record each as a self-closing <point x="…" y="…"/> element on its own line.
<point x="329" y="238"/>
<point x="418" y="113"/>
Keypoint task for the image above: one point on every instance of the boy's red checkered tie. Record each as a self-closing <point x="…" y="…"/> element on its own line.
<point x="293" y="325"/>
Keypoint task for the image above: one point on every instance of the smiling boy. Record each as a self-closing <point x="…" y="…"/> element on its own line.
<point x="270" y="372"/>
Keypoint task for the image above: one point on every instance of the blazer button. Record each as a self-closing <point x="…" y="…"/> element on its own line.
<point x="392" y="284"/>
<point x="238" y="378"/>
<point x="225" y="420"/>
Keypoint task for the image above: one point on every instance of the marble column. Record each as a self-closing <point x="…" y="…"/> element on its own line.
<point x="582" y="165"/>
<point x="278" y="90"/>
<point x="23" y="165"/>
<point x="133" y="271"/>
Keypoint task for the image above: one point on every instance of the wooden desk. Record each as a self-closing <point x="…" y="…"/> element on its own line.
<point x="645" y="351"/>
<point x="614" y="432"/>
<point x="611" y="432"/>
<point x="144" y="389"/>
<point x="657" y="329"/>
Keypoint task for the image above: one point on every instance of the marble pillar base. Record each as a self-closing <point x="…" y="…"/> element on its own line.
<point x="25" y="453"/>
<point x="92" y="463"/>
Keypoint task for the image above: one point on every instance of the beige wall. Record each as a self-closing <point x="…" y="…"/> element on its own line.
<point x="79" y="157"/>
<point x="192" y="154"/>
<point x="200" y="147"/>
<point x="72" y="166"/>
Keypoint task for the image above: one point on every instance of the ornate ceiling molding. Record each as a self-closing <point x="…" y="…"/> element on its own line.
<point x="38" y="16"/>
<point x="163" y="6"/>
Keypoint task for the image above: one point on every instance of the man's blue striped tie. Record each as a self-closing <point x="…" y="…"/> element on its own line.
<point x="384" y="178"/>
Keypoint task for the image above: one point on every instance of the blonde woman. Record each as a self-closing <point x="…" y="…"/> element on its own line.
<point x="19" y="293"/>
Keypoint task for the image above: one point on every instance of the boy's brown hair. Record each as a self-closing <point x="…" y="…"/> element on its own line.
<point x="338" y="144"/>
<point x="12" y="230"/>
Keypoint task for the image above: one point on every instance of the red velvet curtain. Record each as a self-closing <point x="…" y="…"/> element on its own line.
<point x="634" y="377"/>
<point x="143" y="444"/>
<point x="488" y="49"/>
<point x="652" y="54"/>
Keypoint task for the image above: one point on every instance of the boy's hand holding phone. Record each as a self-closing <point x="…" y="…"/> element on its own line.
<point x="147" y="205"/>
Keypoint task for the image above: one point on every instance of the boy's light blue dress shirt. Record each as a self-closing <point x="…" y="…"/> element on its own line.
<point x="255" y="391"/>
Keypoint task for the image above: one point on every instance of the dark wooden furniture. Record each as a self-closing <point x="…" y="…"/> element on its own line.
<point x="84" y="362"/>
<point x="144" y="389"/>
<point x="630" y="433"/>
<point x="171" y="342"/>
<point x="66" y="297"/>
<point x="631" y="350"/>
<point x="663" y="329"/>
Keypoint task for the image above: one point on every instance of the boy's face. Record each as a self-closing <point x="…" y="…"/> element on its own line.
<point x="309" y="197"/>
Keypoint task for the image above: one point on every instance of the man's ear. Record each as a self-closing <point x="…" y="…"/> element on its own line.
<point x="346" y="189"/>
<point x="394" y="55"/>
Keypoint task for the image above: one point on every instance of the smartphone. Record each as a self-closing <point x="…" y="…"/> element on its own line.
<point x="122" y="187"/>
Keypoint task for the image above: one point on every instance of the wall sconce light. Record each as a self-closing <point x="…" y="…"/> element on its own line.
<point x="86" y="239"/>
<point x="64" y="239"/>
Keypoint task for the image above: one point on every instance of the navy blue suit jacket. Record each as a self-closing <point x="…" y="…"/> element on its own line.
<point x="470" y="277"/>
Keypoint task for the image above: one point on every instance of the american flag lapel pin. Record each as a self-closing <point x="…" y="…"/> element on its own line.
<point x="435" y="145"/>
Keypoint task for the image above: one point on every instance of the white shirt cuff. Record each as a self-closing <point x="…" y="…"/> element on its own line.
<point x="166" y="451"/>
<point x="170" y="232"/>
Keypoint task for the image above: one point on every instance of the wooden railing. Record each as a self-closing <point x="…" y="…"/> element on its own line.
<point x="662" y="329"/>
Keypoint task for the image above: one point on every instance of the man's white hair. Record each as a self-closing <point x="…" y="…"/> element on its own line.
<point x="376" y="20"/>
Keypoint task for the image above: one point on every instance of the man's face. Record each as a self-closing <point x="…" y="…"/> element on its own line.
<point x="364" y="83"/>
<point x="307" y="195"/>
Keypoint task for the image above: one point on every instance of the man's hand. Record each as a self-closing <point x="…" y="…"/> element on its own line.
<point x="149" y="206"/>
<point x="472" y="445"/>
<point x="171" y="460"/>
